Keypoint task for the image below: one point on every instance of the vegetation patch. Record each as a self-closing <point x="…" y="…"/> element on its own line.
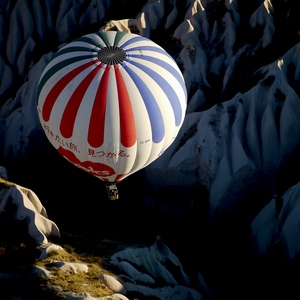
<point x="231" y="111"/>
<point x="5" y="184"/>
<point x="77" y="281"/>
<point x="192" y="53"/>
<point x="17" y="261"/>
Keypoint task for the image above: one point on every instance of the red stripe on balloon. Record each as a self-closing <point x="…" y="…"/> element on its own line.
<point x="72" y="107"/>
<point x="127" y="122"/>
<point x="57" y="89"/>
<point x="97" y="119"/>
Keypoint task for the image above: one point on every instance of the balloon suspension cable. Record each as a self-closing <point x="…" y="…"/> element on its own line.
<point x="112" y="190"/>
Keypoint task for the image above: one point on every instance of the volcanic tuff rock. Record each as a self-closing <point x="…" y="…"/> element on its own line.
<point x="23" y="217"/>
<point x="240" y="138"/>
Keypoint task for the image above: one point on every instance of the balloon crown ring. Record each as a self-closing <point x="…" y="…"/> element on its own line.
<point x="112" y="55"/>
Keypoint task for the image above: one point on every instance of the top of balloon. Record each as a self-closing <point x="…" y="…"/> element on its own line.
<point x="111" y="103"/>
<point x="112" y="55"/>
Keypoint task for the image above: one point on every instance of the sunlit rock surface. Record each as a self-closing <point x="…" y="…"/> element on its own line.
<point x="23" y="217"/>
<point x="142" y="268"/>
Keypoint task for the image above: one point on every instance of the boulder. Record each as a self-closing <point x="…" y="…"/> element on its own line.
<point x="22" y="215"/>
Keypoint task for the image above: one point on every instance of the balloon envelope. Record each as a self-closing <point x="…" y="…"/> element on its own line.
<point x="111" y="103"/>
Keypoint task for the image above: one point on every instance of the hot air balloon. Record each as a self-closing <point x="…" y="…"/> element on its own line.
<point x="111" y="103"/>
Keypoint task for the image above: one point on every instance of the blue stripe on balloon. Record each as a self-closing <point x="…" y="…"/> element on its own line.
<point x="166" y="87"/>
<point x="155" y="116"/>
<point x="160" y="62"/>
<point x="149" y="48"/>
<point x="133" y="40"/>
<point x="166" y="66"/>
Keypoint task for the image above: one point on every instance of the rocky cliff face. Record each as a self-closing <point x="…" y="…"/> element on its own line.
<point x="240" y="140"/>
<point x="239" y="62"/>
